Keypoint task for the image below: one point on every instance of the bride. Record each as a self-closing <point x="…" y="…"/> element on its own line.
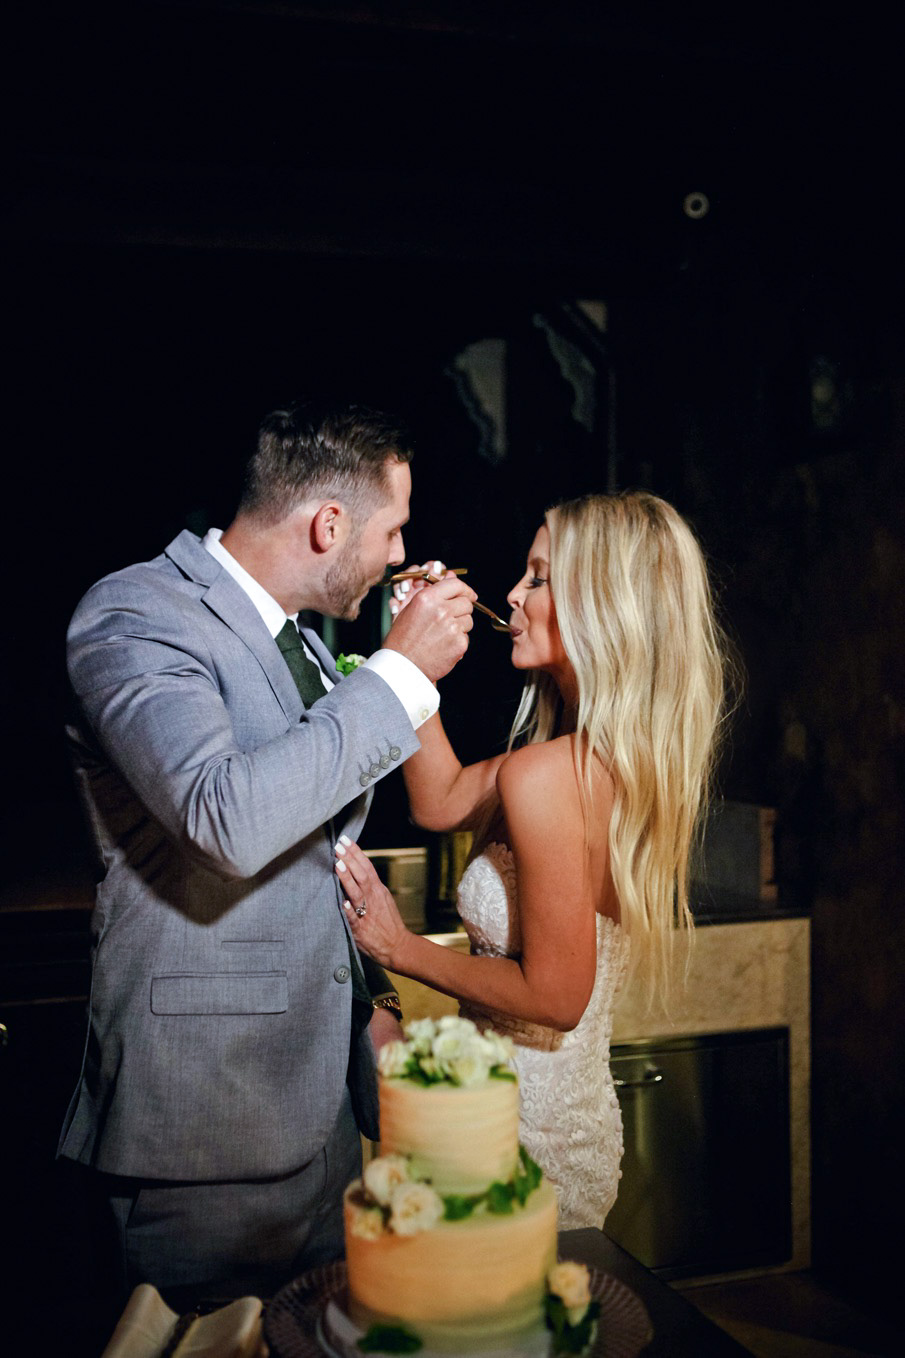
<point x="582" y="829"/>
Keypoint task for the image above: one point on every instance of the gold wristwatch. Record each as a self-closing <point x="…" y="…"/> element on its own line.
<point x="390" y="1003"/>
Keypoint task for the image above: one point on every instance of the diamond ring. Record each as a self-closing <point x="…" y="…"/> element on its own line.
<point x="361" y="911"/>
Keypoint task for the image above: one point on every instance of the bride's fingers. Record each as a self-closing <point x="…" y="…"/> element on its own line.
<point x="356" y="865"/>
<point x="353" y="891"/>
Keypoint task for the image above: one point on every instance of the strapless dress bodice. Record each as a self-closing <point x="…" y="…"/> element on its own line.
<point x="570" y="1118"/>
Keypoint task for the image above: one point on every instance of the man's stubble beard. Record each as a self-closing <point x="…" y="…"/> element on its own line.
<point x="345" y="584"/>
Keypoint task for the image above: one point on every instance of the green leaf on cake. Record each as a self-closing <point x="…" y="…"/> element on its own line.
<point x="530" y="1167"/>
<point x="499" y="1198"/>
<point x="389" y="1339"/>
<point x="503" y="1073"/>
<point x="456" y="1207"/>
<point x="527" y="1176"/>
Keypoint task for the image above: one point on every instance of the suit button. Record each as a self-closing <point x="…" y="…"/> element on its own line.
<point x="395" y="752"/>
<point x="375" y="769"/>
<point x="365" y="779"/>
<point x="341" y="974"/>
<point x="384" y="761"/>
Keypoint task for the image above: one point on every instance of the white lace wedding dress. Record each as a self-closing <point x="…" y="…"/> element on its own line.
<point x="570" y="1120"/>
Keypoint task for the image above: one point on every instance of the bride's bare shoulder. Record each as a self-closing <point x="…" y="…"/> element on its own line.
<point x="550" y="767"/>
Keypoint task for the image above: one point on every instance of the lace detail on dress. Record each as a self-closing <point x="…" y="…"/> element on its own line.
<point x="569" y="1119"/>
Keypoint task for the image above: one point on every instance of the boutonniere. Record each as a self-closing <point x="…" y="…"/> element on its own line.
<point x="347" y="663"/>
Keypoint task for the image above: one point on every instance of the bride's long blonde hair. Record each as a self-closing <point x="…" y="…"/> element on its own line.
<point x="635" y="612"/>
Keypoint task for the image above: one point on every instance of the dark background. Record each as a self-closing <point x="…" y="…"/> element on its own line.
<point x="211" y="207"/>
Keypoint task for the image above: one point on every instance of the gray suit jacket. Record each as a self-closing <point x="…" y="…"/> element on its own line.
<point x="219" y="1024"/>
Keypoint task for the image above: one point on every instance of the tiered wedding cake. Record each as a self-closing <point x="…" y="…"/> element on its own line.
<point x="451" y="1232"/>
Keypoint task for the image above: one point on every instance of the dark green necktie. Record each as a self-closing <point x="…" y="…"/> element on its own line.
<point x="306" y="674"/>
<point x="308" y="681"/>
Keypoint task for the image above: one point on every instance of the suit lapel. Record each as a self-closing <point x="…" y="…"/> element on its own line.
<point x="229" y="602"/>
<point x="328" y="664"/>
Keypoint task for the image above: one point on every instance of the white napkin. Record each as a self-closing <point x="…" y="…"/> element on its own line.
<point x="146" y="1327"/>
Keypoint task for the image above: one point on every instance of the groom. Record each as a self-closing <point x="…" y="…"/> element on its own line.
<point x="219" y="754"/>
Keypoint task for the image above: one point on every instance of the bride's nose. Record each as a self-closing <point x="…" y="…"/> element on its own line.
<point x="516" y="594"/>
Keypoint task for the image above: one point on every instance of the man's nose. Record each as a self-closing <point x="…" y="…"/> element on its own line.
<point x="397" y="552"/>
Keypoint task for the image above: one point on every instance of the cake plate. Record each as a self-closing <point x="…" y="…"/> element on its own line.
<point x="293" y="1319"/>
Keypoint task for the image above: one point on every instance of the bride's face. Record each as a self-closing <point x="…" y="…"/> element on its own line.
<point x="536" y="643"/>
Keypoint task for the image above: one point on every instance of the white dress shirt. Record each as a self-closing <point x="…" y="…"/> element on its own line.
<point x="411" y="686"/>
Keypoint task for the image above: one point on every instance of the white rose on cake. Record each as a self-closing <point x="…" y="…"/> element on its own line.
<point x="469" y="1068"/>
<point x="448" y="1047"/>
<point x="367" y="1223"/>
<point x="571" y="1283"/>
<point x="421" y="1033"/>
<point x="383" y="1175"/>
<point x="414" y="1207"/>
<point x="393" y="1059"/>
<point x="500" y="1049"/>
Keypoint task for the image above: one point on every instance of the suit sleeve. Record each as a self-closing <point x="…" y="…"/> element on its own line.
<point x="151" y="692"/>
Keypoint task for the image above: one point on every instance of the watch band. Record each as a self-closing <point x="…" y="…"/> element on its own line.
<point x="390" y="1003"/>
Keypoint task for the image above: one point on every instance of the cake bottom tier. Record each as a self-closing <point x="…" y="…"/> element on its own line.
<point x="464" y="1286"/>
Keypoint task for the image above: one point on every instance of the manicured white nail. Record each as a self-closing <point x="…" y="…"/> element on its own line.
<point x="340" y="849"/>
<point x="340" y="865"/>
<point x="344" y="839"/>
<point x="404" y="586"/>
<point x="439" y="568"/>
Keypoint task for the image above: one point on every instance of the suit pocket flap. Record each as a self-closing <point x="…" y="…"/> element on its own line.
<point x="224" y="993"/>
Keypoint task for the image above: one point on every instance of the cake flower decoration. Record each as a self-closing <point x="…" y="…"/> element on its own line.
<point x="383" y="1174"/>
<point x="571" y="1283"/>
<point x="449" y="1050"/>
<point x="414" y="1207"/>
<point x="571" y="1313"/>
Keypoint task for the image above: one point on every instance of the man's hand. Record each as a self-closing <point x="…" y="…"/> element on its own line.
<point x="432" y="628"/>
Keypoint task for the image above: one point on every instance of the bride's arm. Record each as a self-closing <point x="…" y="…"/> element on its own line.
<point x="551" y="982"/>
<point x="443" y="794"/>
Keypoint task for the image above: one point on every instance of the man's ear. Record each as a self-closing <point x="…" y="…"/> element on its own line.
<point x="329" y="526"/>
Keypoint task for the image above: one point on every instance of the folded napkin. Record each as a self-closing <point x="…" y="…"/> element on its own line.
<point x="147" y="1329"/>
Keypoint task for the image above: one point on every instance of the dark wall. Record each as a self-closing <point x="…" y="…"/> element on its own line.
<point x="784" y="413"/>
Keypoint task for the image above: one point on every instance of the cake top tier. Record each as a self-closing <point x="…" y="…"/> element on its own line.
<point x="449" y="1102"/>
<point x="447" y="1051"/>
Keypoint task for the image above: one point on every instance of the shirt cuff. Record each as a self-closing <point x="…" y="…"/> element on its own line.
<point x="412" y="687"/>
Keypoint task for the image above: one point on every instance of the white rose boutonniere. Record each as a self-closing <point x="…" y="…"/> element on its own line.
<point x="347" y="663"/>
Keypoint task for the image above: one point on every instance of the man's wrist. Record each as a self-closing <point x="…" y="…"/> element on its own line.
<point x="411" y="685"/>
<point x="390" y="1003"/>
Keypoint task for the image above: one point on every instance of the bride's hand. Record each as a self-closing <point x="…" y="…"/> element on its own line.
<point x="405" y="590"/>
<point x="375" y="921"/>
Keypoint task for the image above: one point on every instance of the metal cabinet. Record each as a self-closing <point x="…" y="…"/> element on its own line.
<point x="706" y="1174"/>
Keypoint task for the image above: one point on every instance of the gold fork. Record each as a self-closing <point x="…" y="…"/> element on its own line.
<point x="496" y="622"/>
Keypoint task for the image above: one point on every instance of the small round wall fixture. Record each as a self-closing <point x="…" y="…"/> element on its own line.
<point x="696" y="205"/>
